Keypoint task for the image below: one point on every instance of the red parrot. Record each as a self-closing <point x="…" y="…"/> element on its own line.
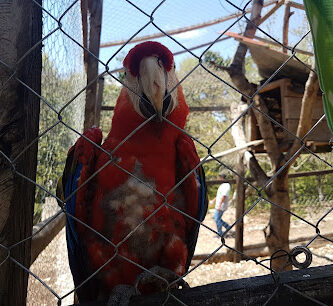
<point x="129" y="195"/>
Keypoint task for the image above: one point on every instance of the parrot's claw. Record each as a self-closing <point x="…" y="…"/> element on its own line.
<point x="148" y="279"/>
<point x="121" y="295"/>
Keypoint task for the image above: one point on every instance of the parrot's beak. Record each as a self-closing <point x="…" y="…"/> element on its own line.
<point x="153" y="82"/>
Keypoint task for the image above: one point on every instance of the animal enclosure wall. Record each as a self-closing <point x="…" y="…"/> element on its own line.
<point x="196" y="32"/>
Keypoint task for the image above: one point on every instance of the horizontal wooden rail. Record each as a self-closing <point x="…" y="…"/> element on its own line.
<point x="316" y="282"/>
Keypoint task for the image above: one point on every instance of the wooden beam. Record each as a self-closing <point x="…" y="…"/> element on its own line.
<point x="258" y="250"/>
<point x="95" y="23"/>
<point x="318" y="284"/>
<point x="286" y="18"/>
<point x="183" y="29"/>
<point x="292" y="175"/>
<point x="297" y="5"/>
<point x="84" y="18"/>
<point x="273" y="43"/>
<point x="315" y="282"/>
<point x="236" y="149"/>
<point x="21" y="30"/>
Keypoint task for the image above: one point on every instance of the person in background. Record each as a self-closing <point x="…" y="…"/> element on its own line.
<point x="221" y="203"/>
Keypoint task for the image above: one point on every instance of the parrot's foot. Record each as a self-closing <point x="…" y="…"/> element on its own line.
<point x="152" y="283"/>
<point x="121" y="295"/>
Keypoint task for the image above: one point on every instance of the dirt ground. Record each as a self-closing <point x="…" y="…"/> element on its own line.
<point x="52" y="265"/>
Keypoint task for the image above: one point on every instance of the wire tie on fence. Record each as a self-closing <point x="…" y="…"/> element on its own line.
<point x="275" y="274"/>
<point x="299" y="250"/>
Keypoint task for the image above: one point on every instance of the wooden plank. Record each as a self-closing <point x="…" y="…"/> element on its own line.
<point x="269" y="60"/>
<point x="272" y="85"/>
<point x="315" y="282"/>
<point x="291" y="108"/>
<point x="258" y="250"/>
<point x="273" y="43"/>
<point x="21" y="30"/>
<point x="291" y="175"/>
<point x="320" y="134"/>
<point x="236" y="149"/>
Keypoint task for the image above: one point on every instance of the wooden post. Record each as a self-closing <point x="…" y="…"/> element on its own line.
<point x="99" y="101"/>
<point x="21" y="29"/>
<point x="95" y="23"/>
<point x="240" y="205"/>
<point x="239" y="137"/>
<point x="315" y="283"/>
<point x="287" y="15"/>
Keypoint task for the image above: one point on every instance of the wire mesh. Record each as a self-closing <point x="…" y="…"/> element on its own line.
<point x="61" y="120"/>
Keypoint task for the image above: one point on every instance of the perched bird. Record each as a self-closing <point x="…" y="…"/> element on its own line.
<point x="127" y="208"/>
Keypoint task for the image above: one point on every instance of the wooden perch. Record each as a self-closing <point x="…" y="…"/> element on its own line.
<point x="46" y="234"/>
<point x="233" y="150"/>
<point x="258" y="250"/>
<point x="315" y="282"/>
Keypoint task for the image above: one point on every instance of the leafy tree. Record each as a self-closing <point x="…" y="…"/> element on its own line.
<point x="57" y="89"/>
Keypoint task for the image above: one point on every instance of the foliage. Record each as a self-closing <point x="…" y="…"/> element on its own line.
<point x="54" y="144"/>
<point x="110" y="94"/>
<point x="204" y="89"/>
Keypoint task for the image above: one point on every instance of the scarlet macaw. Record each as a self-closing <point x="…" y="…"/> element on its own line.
<point x="135" y="184"/>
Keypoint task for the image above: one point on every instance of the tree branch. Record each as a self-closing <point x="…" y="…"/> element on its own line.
<point x="267" y="132"/>
<point x="236" y="71"/>
<point x="257" y="172"/>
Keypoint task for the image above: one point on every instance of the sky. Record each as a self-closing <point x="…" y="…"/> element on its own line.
<point x="121" y="20"/>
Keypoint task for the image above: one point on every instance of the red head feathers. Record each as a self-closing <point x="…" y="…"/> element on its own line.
<point x="148" y="48"/>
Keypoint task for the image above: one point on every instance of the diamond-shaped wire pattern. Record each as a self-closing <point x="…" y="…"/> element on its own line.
<point x="62" y="108"/>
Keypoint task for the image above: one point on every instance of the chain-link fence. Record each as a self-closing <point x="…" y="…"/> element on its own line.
<point x="63" y="76"/>
<point x="207" y="81"/>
